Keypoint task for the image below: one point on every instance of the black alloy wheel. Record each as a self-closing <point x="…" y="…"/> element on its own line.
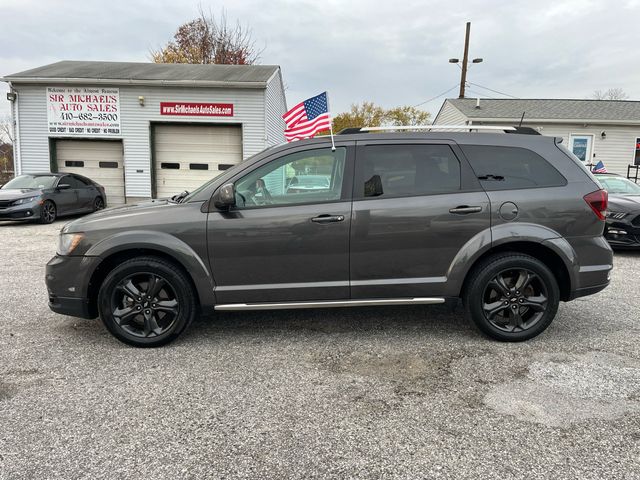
<point x="515" y="300"/>
<point x="512" y="297"/>
<point x="147" y="301"/>
<point x="98" y="204"/>
<point x="48" y="212"/>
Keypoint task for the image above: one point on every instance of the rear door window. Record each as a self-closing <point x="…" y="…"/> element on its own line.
<point x="507" y="168"/>
<point x="406" y="170"/>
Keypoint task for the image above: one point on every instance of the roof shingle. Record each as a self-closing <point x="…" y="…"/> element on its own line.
<point x="549" y="109"/>
<point x="250" y="75"/>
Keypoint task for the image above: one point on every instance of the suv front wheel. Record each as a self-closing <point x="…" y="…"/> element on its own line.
<point x="512" y="297"/>
<point x="146" y="302"/>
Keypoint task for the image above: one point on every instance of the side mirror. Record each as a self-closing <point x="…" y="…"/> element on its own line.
<point x="64" y="186"/>
<point x="225" y="197"/>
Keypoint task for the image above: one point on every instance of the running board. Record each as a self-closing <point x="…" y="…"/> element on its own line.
<point x="328" y="304"/>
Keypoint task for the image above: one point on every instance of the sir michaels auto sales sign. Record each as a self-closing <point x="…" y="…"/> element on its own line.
<point x="83" y="111"/>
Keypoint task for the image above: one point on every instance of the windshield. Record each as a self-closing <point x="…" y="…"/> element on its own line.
<point x="618" y="185"/>
<point x="31" y="181"/>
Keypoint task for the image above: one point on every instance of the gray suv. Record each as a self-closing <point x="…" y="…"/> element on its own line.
<point x="510" y="223"/>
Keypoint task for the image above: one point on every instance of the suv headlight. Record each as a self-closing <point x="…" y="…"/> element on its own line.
<point x="67" y="242"/>
<point x="22" y="201"/>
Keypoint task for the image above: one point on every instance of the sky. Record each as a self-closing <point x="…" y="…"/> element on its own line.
<point x="389" y="52"/>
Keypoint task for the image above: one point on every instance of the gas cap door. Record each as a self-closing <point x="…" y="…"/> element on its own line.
<point x="508" y="211"/>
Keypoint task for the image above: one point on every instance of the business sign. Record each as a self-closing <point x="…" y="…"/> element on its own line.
<point x="197" y="109"/>
<point x="85" y="111"/>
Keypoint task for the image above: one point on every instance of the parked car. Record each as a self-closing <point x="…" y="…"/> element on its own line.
<point x="43" y="197"/>
<point x="511" y="223"/>
<point x="623" y="216"/>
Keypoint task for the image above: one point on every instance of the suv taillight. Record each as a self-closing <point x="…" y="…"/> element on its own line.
<point x="598" y="201"/>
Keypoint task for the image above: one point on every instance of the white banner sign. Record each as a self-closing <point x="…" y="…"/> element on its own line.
<point x="92" y="111"/>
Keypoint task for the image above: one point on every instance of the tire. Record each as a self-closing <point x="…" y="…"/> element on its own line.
<point x="98" y="204"/>
<point x="48" y="212"/>
<point x="151" y="321"/>
<point x="495" y="288"/>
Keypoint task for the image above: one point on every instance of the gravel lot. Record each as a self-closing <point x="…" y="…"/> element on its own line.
<point x="410" y="392"/>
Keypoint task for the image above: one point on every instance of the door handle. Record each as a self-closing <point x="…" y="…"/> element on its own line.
<point x="326" y="218"/>
<point x="465" y="209"/>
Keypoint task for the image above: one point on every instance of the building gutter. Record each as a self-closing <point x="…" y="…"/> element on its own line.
<point x="130" y="81"/>
<point x="556" y="121"/>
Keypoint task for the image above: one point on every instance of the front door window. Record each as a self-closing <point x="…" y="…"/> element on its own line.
<point x="310" y="176"/>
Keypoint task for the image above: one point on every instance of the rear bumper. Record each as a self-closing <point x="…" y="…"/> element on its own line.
<point x="68" y="281"/>
<point x="589" y="264"/>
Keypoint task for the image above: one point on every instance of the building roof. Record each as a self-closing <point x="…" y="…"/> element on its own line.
<point x="242" y="76"/>
<point x="622" y="111"/>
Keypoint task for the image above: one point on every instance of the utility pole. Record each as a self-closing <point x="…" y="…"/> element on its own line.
<point x="465" y="59"/>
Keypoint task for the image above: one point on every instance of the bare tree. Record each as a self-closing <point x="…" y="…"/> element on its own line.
<point x="208" y="39"/>
<point x="610" y="94"/>
<point x="6" y="130"/>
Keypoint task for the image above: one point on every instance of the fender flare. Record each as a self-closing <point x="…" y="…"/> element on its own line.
<point x="502" y="235"/>
<point x="167" y="244"/>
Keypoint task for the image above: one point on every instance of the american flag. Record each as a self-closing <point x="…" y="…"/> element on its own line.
<point x="307" y="118"/>
<point x="599" y="168"/>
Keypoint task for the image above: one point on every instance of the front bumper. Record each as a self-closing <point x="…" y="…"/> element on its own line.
<point x="68" y="280"/>
<point x="27" y="211"/>
<point x="623" y="234"/>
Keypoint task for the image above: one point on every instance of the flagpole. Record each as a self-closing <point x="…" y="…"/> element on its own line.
<point x="333" y="145"/>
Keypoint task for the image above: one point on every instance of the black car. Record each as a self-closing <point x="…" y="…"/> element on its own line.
<point x="623" y="217"/>
<point x="43" y="197"/>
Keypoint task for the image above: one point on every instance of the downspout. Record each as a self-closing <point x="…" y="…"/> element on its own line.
<point x="15" y="123"/>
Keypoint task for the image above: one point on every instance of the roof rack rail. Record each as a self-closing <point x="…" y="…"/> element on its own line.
<point x="469" y="128"/>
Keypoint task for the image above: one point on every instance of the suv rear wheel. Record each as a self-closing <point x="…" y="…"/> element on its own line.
<point x="512" y="297"/>
<point x="146" y="302"/>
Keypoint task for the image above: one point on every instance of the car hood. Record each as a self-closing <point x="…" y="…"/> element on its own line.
<point x="125" y="216"/>
<point x="18" y="193"/>
<point x="624" y="203"/>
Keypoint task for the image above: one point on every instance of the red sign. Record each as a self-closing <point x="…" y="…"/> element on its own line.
<point x="197" y="109"/>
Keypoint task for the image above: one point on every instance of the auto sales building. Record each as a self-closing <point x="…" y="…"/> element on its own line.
<point x="144" y="130"/>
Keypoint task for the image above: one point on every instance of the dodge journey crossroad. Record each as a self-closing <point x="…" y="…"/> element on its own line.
<point x="511" y="223"/>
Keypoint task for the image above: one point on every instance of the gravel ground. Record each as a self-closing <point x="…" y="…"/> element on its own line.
<point x="403" y="392"/>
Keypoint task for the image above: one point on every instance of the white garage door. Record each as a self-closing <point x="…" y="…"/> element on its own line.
<point x="101" y="161"/>
<point x="186" y="156"/>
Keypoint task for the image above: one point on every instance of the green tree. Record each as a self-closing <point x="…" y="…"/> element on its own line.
<point x="368" y="114"/>
<point x="407" y="116"/>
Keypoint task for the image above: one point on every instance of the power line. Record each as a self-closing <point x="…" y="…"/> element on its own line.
<point x="480" y="93"/>
<point x="491" y="90"/>
<point x="437" y="96"/>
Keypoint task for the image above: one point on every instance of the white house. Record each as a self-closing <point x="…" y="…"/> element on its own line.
<point x="595" y="130"/>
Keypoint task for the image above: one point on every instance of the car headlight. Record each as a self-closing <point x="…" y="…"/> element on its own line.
<point x="22" y="201"/>
<point x="617" y="215"/>
<point x="67" y="242"/>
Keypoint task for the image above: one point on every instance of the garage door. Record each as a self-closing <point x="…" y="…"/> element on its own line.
<point x="186" y="156"/>
<point x="101" y="161"/>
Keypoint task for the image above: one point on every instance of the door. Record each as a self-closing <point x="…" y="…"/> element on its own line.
<point x="582" y="147"/>
<point x="66" y="199"/>
<point x="287" y="239"/>
<point x="187" y="156"/>
<point x="100" y="160"/>
<point x="415" y="206"/>
<point x="86" y="192"/>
